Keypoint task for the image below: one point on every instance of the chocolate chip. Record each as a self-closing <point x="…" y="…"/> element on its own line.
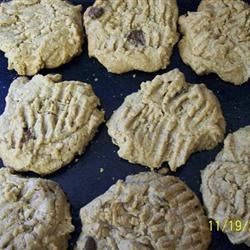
<point x="27" y="135"/>
<point x="90" y="244"/>
<point x="96" y="12"/>
<point x="136" y="37"/>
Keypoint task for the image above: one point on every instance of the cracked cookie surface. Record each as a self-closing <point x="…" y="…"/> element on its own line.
<point x="146" y="211"/>
<point x="34" y="213"/>
<point x="236" y="147"/>
<point x="216" y="39"/>
<point x="226" y="186"/>
<point x="167" y="120"/>
<point x="39" y="34"/>
<point x="132" y="35"/>
<point x="47" y="122"/>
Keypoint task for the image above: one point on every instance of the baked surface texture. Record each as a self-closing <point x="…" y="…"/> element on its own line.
<point x="132" y="35"/>
<point x="216" y="39"/>
<point x="226" y="187"/>
<point x="167" y="120"/>
<point x="38" y="34"/>
<point x="34" y="213"/>
<point x="146" y="211"/>
<point x="47" y="122"/>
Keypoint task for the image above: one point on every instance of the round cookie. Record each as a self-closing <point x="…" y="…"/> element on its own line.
<point x="38" y="34"/>
<point x="132" y="35"/>
<point x="146" y="211"/>
<point x="225" y="187"/>
<point x="167" y="120"/>
<point x="216" y="39"/>
<point x="34" y="213"/>
<point x="47" y="122"/>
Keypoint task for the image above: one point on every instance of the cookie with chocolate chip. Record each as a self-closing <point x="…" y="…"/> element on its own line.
<point x="132" y="35"/>
<point x="47" y="122"/>
<point x="34" y="213"/>
<point x="146" y="211"/>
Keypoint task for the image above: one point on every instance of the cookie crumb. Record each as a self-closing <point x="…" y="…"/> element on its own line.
<point x="101" y="170"/>
<point x="134" y="75"/>
<point x="95" y="12"/>
<point x="137" y="37"/>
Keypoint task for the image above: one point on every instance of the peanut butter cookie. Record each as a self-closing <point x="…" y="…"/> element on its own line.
<point x="132" y="35"/>
<point x="216" y="39"/>
<point x="168" y="119"/>
<point x="146" y="211"/>
<point x="226" y="187"/>
<point x="38" y="34"/>
<point x="47" y="122"/>
<point x="34" y="213"/>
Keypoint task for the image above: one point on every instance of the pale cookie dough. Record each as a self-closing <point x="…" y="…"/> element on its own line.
<point x="34" y="214"/>
<point x="47" y="122"/>
<point x="127" y="35"/>
<point x="146" y="211"/>
<point x="226" y="187"/>
<point x="216" y="39"/>
<point x="168" y="119"/>
<point x="38" y="34"/>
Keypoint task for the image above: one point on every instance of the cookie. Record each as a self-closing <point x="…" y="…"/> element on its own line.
<point x="225" y="187"/>
<point x="236" y="147"/>
<point x="47" y="122"/>
<point x="132" y="35"/>
<point x="146" y="211"/>
<point x="38" y="34"/>
<point x="166" y="121"/>
<point x="216" y="39"/>
<point x="34" y="213"/>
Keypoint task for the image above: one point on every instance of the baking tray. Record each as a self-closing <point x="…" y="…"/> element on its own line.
<point x="83" y="180"/>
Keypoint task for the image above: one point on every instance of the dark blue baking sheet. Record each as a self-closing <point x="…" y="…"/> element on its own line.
<point x="82" y="181"/>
